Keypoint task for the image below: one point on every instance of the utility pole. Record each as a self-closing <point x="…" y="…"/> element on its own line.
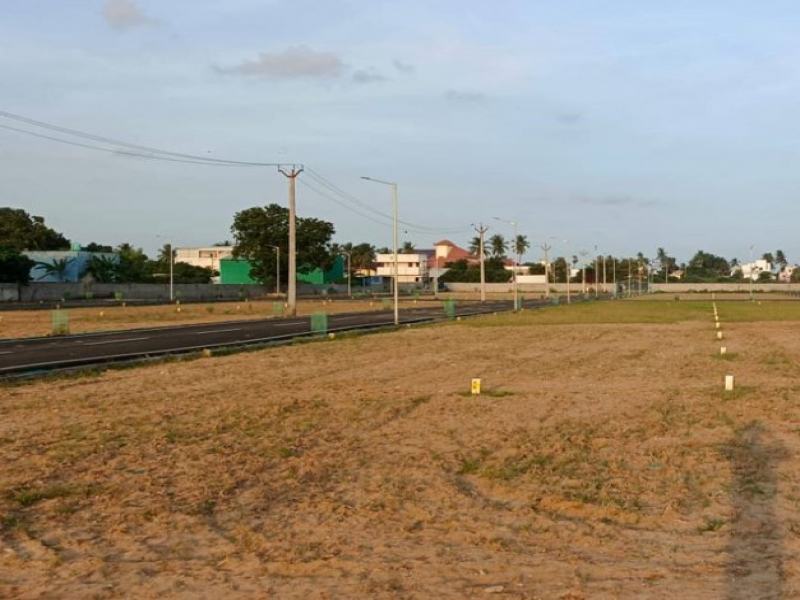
<point x="546" y="249"/>
<point x="291" y="296"/>
<point x="630" y="279"/>
<point x="583" y="254"/>
<point x="481" y="254"/>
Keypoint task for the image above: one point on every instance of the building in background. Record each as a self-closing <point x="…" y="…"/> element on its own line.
<point x="412" y="268"/>
<point x="208" y="257"/>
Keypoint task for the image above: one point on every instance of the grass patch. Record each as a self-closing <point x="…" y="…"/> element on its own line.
<point x="621" y="311"/>
<point x="490" y="393"/>
<point x="28" y="496"/>
<point x="712" y="524"/>
<point x="737" y="393"/>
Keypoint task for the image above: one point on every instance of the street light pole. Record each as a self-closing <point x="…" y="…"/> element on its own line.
<point x="171" y="272"/>
<point x="481" y="256"/>
<point x="349" y="274"/>
<point x="750" y="273"/>
<point x="394" y="241"/>
<point x="277" y="268"/>
<point x="596" y="273"/>
<point x="583" y="254"/>
<point x="546" y="247"/>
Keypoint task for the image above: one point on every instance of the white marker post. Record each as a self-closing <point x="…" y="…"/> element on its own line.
<point x="728" y="383"/>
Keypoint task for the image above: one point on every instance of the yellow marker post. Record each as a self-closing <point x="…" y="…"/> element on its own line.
<point x="476" y="386"/>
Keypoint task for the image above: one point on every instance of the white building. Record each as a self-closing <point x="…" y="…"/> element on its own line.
<point x="207" y="257"/>
<point x="753" y="270"/>
<point x="411" y="268"/>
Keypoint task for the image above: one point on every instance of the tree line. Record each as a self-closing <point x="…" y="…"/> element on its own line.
<point x="261" y="236"/>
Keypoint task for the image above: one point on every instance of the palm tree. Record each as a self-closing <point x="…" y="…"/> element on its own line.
<point x="498" y="245"/>
<point x="362" y="257"/>
<point x="521" y="246"/>
<point x="407" y="248"/>
<point x="475" y="246"/>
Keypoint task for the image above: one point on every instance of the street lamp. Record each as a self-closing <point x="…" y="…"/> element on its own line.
<point x="513" y="261"/>
<point x="349" y="275"/>
<point x="277" y="268"/>
<point x="750" y="272"/>
<point x="394" y="244"/>
<point x="583" y="254"/>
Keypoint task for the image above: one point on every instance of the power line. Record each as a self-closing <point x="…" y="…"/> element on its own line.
<point x="417" y="228"/>
<point x="140" y="150"/>
<point x="127" y="149"/>
<point x="116" y="152"/>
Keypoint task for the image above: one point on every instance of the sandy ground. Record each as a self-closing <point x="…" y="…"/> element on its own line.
<point x="37" y="323"/>
<point x="601" y="461"/>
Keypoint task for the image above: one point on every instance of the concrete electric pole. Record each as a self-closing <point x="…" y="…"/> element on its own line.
<point x="481" y="255"/>
<point x="291" y="296"/>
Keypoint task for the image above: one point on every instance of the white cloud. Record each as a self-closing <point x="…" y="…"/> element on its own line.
<point x="124" y="14"/>
<point x="293" y="63"/>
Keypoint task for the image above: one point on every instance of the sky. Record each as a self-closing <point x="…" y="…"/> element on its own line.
<point x="616" y="125"/>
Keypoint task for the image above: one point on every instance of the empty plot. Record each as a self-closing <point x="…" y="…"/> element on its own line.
<point x="604" y="460"/>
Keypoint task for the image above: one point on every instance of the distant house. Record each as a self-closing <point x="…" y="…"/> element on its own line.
<point x="412" y="268"/>
<point x="785" y="275"/>
<point x="446" y="251"/>
<point x="207" y="256"/>
<point x="752" y="270"/>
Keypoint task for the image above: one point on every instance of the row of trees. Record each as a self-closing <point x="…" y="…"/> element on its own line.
<point x="259" y="232"/>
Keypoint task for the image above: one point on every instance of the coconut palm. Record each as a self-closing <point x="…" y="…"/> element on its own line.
<point x="498" y="245"/>
<point x="521" y="246"/>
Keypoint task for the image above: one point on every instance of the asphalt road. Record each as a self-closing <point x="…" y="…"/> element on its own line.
<point x="26" y="355"/>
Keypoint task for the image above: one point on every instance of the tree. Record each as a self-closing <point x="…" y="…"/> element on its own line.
<point x="15" y="267"/>
<point x="407" y="248"/>
<point x="95" y="247"/>
<point x="767" y="256"/>
<point x="521" y="246"/>
<point x="362" y="257"/>
<point x="103" y="268"/>
<point x="255" y="230"/>
<point x="134" y="266"/>
<point x="21" y="231"/>
<point x="705" y="266"/>
<point x="536" y="269"/>
<point x="780" y="258"/>
<point x="461" y="271"/>
<point x="498" y="246"/>
<point x="185" y="273"/>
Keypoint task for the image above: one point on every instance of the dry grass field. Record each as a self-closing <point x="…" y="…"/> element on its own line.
<point x="603" y="460"/>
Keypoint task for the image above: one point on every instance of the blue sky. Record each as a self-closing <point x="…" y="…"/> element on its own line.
<point x="625" y="124"/>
